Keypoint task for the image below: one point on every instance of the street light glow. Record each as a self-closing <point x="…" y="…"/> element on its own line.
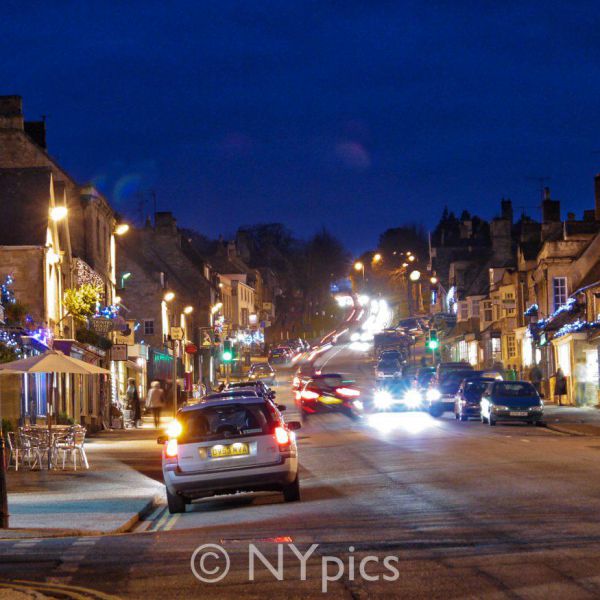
<point x="411" y="257"/>
<point x="433" y="279"/>
<point x="415" y="275"/>
<point x="216" y="308"/>
<point x="58" y="213"/>
<point x="121" y="228"/>
<point x="358" y="266"/>
<point x="377" y="258"/>
<point x="169" y="296"/>
<point x="188" y="310"/>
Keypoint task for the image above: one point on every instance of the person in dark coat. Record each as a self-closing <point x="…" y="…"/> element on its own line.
<point x="560" y="387"/>
<point x="133" y="401"/>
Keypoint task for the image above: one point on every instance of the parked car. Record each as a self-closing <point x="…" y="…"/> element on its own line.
<point x="264" y="372"/>
<point x="439" y="397"/>
<point x="224" y="446"/>
<point x="330" y="392"/>
<point x="279" y="355"/>
<point x="511" y="401"/>
<point x="258" y="385"/>
<point x="388" y="369"/>
<point x="468" y="397"/>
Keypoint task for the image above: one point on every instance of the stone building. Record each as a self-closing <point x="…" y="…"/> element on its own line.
<point x="154" y="261"/>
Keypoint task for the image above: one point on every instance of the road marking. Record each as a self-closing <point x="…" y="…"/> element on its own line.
<point x="161" y="521"/>
<point x="171" y="522"/>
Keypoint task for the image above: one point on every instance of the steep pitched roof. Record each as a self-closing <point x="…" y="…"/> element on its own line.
<point x="24" y="205"/>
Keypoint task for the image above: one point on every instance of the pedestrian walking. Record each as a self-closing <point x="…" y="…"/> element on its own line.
<point x="536" y="377"/>
<point x="156" y="401"/>
<point x="133" y="402"/>
<point x="560" y="385"/>
<point x="580" y="381"/>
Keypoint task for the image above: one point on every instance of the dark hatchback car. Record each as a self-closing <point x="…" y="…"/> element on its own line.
<point x="511" y="401"/>
<point x="330" y="392"/>
<point x="468" y="398"/>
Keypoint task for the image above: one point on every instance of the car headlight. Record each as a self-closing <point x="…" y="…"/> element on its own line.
<point x="537" y="408"/>
<point x="358" y="404"/>
<point x="499" y="407"/>
<point x="382" y="399"/>
<point x="380" y="373"/>
<point x="433" y="394"/>
<point x="412" y="398"/>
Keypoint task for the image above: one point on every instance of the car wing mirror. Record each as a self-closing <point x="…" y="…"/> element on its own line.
<point x="162" y="439"/>
<point x="282" y="407"/>
<point x="294" y="425"/>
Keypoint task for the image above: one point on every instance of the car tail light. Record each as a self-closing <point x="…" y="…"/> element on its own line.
<point x="347" y="392"/>
<point x="171" y="449"/>
<point x="308" y="395"/>
<point x="174" y="429"/>
<point x="282" y="436"/>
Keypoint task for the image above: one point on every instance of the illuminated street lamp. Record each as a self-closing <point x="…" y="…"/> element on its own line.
<point x="58" y="213"/>
<point x="405" y="264"/>
<point x="415" y="275"/>
<point x="169" y="296"/>
<point x="377" y="258"/>
<point x="433" y="279"/>
<point x="359" y="266"/>
<point x="216" y="308"/>
<point x="121" y="228"/>
<point x="188" y="310"/>
<point x="411" y="257"/>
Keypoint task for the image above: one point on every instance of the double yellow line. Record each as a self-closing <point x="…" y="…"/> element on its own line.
<point x="166" y="521"/>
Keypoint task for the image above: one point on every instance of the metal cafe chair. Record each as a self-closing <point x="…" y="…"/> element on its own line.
<point x="37" y="442"/>
<point x="73" y="443"/>
<point x="13" y="450"/>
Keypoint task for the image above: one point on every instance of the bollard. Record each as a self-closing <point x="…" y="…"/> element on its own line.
<point x="3" y="490"/>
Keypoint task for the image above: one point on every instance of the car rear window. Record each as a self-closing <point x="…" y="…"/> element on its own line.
<point x="476" y="388"/>
<point x="513" y="388"/>
<point x="226" y="421"/>
<point x="389" y="364"/>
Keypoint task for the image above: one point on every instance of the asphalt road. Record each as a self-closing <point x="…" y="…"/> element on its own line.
<point x="459" y="509"/>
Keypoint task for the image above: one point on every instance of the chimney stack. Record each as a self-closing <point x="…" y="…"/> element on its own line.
<point x="11" y="112"/>
<point x="597" y="196"/>
<point x="507" y="210"/>
<point x="550" y="208"/>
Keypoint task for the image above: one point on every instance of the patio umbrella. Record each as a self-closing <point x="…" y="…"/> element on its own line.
<point x="52" y="361"/>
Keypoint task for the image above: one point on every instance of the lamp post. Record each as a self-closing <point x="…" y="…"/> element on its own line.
<point x="3" y="490"/>
<point x="169" y="297"/>
<point x="360" y="266"/>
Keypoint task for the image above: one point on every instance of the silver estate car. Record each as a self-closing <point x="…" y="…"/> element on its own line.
<point x="228" y="445"/>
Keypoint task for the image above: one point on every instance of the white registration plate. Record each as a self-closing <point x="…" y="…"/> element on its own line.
<point x="518" y="414"/>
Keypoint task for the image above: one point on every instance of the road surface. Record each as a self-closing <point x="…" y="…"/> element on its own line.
<point x="457" y="509"/>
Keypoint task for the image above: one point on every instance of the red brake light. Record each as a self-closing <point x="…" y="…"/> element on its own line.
<point x="171" y="448"/>
<point x="308" y="395"/>
<point x="282" y="436"/>
<point x="347" y="392"/>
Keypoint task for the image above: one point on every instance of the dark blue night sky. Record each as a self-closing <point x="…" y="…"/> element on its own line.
<point x="354" y="115"/>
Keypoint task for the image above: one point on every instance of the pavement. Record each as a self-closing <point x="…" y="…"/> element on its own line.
<point x="110" y="497"/>
<point x="583" y="421"/>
